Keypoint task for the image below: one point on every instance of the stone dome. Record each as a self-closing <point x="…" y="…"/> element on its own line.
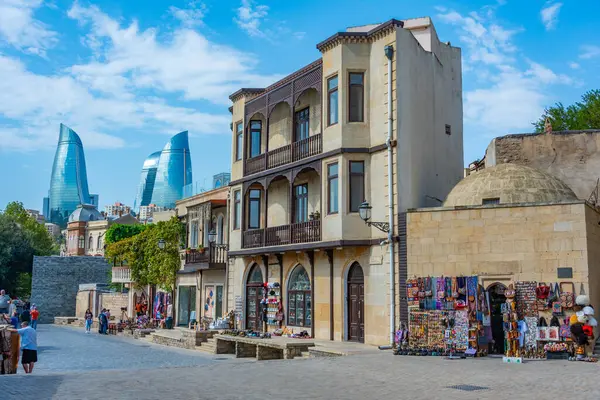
<point x="509" y="184"/>
<point x="85" y="213"/>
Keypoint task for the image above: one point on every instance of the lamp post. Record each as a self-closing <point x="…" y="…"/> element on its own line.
<point x="365" y="214"/>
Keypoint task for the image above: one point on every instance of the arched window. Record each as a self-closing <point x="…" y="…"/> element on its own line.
<point x="299" y="298"/>
<point x="90" y="243"/>
<point x="99" y="243"/>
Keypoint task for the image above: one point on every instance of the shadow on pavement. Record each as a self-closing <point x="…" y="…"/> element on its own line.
<point x="32" y="387"/>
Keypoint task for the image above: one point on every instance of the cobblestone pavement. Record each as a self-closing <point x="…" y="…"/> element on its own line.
<point x="373" y="376"/>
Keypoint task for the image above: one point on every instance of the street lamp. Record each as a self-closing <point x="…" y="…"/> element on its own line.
<point x="161" y="244"/>
<point x="365" y="214"/>
<point x="212" y="236"/>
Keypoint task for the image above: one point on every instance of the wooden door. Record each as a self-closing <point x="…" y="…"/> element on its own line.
<point x="254" y="295"/>
<point x="356" y="307"/>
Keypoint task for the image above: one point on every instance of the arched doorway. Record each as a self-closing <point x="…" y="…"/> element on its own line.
<point x="254" y="294"/>
<point x="497" y="298"/>
<point x="299" y="298"/>
<point x="356" y="304"/>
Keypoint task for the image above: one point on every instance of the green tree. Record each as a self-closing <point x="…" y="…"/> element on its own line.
<point x="21" y="237"/>
<point x="579" y="116"/>
<point x="149" y="264"/>
<point x="119" y="232"/>
<point x="16" y="255"/>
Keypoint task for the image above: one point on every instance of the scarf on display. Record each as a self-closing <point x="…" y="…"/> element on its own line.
<point x="472" y="284"/>
<point x="461" y="283"/>
<point x="440" y="293"/>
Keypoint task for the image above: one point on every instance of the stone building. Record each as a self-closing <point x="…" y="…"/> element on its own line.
<point x="310" y="148"/>
<point x="571" y="156"/>
<point x="201" y="282"/>
<point x="508" y="223"/>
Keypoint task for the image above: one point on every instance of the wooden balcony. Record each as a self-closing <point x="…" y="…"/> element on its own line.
<point x="284" y="155"/>
<point x="121" y="275"/>
<point x="212" y="255"/>
<point x="303" y="232"/>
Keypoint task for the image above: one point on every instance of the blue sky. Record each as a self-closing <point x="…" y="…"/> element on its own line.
<point x="127" y="74"/>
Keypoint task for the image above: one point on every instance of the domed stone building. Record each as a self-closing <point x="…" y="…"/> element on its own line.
<point x="509" y="184"/>
<point x="76" y="228"/>
<point x="504" y="224"/>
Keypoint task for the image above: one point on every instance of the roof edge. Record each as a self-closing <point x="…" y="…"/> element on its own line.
<point x="344" y="35"/>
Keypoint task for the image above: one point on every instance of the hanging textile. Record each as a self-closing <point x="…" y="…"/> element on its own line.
<point x="440" y="294"/>
<point x="412" y="292"/>
<point x="472" y="284"/>
<point x="531" y="334"/>
<point x="526" y="299"/>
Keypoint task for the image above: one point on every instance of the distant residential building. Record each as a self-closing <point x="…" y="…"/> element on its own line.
<point x="36" y="214"/>
<point x="162" y="216"/>
<point x="53" y="229"/>
<point x="117" y="210"/>
<point x="146" y="212"/>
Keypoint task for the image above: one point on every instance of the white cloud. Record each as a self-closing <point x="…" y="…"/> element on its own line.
<point x="589" y="51"/>
<point x="128" y="86"/>
<point x="511" y="90"/>
<point x="549" y="15"/>
<point x="574" y="65"/>
<point x="250" y="17"/>
<point x="191" y="16"/>
<point x="20" y="29"/>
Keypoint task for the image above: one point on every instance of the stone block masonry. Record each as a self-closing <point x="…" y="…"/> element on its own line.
<point x="55" y="282"/>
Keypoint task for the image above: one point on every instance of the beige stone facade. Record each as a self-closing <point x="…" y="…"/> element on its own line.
<point x="508" y="243"/>
<point x="294" y="154"/>
<point x="203" y="263"/>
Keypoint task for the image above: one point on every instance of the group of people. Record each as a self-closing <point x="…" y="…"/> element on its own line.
<point x="28" y="333"/>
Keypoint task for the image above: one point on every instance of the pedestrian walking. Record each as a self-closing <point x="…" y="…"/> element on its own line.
<point x="35" y="314"/>
<point x="4" y="302"/>
<point x="103" y="322"/>
<point x="89" y="318"/>
<point x="28" y="346"/>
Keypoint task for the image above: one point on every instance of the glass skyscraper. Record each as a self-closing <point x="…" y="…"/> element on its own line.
<point x="165" y="174"/>
<point x="68" y="183"/>
<point x="146" y="187"/>
<point x="174" y="171"/>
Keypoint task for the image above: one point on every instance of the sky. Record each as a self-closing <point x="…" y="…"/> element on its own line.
<point x="126" y="75"/>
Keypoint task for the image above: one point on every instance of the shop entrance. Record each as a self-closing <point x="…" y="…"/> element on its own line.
<point x="187" y="304"/>
<point x="497" y="298"/>
<point x="254" y="294"/>
<point x="356" y="304"/>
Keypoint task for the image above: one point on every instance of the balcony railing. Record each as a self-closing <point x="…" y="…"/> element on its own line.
<point x="214" y="254"/>
<point x="121" y="275"/>
<point x="303" y="232"/>
<point x="287" y="154"/>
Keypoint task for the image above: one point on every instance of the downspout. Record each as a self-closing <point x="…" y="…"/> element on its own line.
<point x="226" y="283"/>
<point x="389" y="53"/>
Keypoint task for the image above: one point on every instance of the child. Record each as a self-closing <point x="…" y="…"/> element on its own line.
<point x="34" y="317"/>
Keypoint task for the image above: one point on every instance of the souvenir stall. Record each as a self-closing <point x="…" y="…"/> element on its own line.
<point x="546" y="321"/>
<point x="163" y="310"/>
<point x="447" y="316"/>
<point x="9" y="350"/>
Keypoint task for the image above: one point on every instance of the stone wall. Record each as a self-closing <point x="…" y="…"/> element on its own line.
<point x="502" y="244"/>
<point x="572" y="156"/>
<point x="55" y="282"/>
<point x="114" y="302"/>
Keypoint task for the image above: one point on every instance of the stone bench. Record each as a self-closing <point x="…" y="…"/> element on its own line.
<point x="262" y="349"/>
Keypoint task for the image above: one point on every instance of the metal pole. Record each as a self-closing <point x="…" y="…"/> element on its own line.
<point x="389" y="52"/>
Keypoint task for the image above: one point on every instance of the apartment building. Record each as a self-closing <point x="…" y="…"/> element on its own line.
<point x="310" y="149"/>
<point x="117" y="210"/>
<point x="201" y="281"/>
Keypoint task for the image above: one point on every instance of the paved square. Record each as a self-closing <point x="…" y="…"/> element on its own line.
<point x="78" y="366"/>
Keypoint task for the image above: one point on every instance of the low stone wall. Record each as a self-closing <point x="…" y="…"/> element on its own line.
<point x="114" y="302"/>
